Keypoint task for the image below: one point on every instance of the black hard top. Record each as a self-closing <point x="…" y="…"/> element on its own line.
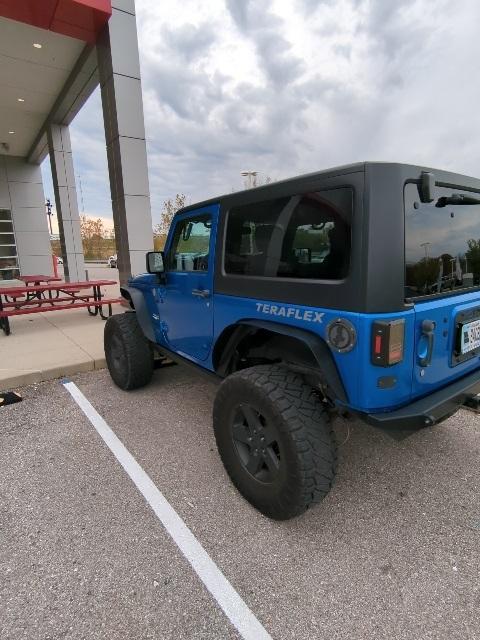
<point x="375" y="283"/>
<point x="270" y="190"/>
<point x="280" y="187"/>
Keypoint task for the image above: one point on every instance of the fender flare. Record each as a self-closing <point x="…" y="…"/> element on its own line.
<point x="317" y="346"/>
<point x="137" y="302"/>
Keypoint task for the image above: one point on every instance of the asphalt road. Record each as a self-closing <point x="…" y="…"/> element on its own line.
<point x="393" y="551"/>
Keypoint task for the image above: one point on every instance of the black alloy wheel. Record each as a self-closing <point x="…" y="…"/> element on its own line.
<point x="256" y="442"/>
<point x="275" y="440"/>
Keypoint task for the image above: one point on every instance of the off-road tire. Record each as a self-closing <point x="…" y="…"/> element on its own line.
<point x="128" y="353"/>
<point x="307" y="453"/>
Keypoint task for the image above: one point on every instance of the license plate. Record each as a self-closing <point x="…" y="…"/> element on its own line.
<point x="470" y="336"/>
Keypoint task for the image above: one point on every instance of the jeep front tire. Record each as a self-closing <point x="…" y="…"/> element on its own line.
<point x="275" y="440"/>
<point x="128" y="353"/>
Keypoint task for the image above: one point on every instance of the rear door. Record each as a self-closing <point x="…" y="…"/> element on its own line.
<point x="442" y="250"/>
<point x="185" y="302"/>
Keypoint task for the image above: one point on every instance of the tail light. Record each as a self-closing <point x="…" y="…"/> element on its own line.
<point x="388" y="339"/>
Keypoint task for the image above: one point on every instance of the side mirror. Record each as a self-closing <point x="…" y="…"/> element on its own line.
<point x="155" y="262"/>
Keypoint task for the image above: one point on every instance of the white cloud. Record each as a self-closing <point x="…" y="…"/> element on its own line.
<point x="292" y="86"/>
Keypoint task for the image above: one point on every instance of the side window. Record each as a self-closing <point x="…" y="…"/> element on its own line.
<point x="442" y="244"/>
<point x="302" y="236"/>
<point x="190" y="246"/>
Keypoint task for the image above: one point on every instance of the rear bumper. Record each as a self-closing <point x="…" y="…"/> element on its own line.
<point x="429" y="410"/>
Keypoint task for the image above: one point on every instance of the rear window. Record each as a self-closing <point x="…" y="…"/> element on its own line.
<point x="442" y="244"/>
<point x="302" y="236"/>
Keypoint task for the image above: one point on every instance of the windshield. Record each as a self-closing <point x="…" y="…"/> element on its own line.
<point x="442" y="243"/>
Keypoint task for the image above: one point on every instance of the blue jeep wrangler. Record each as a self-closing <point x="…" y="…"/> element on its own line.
<point x="350" y="290"/>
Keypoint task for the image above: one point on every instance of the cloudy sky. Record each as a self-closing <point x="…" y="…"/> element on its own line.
<point x="285" y="87"/>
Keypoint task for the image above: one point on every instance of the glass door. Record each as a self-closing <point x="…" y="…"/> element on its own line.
<point x="8" y="248"/>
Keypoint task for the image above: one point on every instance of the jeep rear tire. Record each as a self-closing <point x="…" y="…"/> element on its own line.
<point x="275" y="440"/>
<point x="128" y="353"/>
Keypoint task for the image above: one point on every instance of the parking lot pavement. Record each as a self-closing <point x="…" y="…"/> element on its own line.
<point x="393" y="551"/>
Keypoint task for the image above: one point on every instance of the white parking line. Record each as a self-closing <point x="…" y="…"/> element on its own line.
<point x="222" y="591"/>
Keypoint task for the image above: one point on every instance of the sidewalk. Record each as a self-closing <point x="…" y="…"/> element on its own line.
<point x="43" y="346"/>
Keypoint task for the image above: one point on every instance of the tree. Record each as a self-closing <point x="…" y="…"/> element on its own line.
<point x="473" y="257"/>
<point x="93" y="237"/>
<point x="97" y="240"/>
<point x="170" y="207"/>
<point x="90" y="227"/>
<point x="56" y="248"/>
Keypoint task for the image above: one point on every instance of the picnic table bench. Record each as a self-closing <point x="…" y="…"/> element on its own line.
<point x="54" y="296"/>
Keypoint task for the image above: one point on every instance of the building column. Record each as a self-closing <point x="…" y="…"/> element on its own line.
<point x="21" y="194"/>
<point x="119" y="70"/>
<point x="63" y="176"/>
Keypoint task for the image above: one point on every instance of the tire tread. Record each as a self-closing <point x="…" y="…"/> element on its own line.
<point x="139" y="353"/>
<point x="308" y="424"/>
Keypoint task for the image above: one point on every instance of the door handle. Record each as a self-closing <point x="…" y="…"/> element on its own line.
<point x="201" y="293"/>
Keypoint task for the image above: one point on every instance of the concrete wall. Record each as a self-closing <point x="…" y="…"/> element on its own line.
<point x="21" y="191"/>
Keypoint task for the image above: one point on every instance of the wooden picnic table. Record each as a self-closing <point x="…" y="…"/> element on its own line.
<point x="55" y="296"/>
<point x="38" y="279"/>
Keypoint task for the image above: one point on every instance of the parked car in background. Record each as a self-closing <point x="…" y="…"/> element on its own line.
<point x="112" y="262"/>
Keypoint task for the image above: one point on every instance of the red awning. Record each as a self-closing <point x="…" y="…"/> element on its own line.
<point x="81" y="19"/>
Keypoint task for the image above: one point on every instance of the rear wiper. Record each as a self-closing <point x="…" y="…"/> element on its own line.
<point x="456" y="198"/>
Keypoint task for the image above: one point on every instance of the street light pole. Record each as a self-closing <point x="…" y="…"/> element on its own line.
<point x="425" y="245"/>
<point x="48" y="207"/>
